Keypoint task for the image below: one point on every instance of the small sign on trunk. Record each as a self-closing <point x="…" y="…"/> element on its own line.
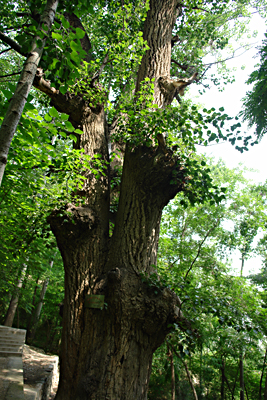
<point x="94" y="301"/>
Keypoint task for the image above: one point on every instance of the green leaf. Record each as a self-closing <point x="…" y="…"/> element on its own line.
<point x="63" y="116"/>
<point x="78" y="131"/>
<point x="65" y="23"/>
<point x="57" y="36"/>
<point x="53" y="112"/>
<point x="75" y="46"/>
<point x="53" y="64"/>
<point x="79" y="33"/>
<point x="75" y="57"/>
<point x="73" y="137"/>
<point x="69" y="126"/>
<point x="48" y="118"/>
<point x="63" y="89"/>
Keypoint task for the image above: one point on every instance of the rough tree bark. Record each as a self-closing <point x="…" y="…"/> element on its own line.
<point x="107" y="354"/>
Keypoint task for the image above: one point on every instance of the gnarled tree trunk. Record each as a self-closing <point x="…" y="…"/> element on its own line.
<point x="107" y="354"/>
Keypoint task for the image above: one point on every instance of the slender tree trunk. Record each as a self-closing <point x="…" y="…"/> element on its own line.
<point x="190" y="380"/>
<point x="246" y="392"/>
<point x="15" y="299"/>
<point x="18" y="318"/>
<point x="265" y="389"/>
<point x="173" y="377"/>
<point x="49" y="343"/>
<point x="236" y="378"/>
<point x="178" y="391"/>
<point x="241" y="378"/>
<point x="222" y="382"/>
<point x="29" y="324"/>
<point x="38" y="309"/>
<point x="170" y="355"/>
<point x="242" y="263"/>
<point x="188" y="375"/>
<point x="17" y="103"/>
<point x="201" y="371"/>
<point x="228" y="384"/>
<point x="262" y="372"/>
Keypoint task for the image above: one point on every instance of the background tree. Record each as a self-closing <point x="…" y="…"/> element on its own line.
<point x="255" y="105"/>
<point x="194" y="258"/>
<point x="16" y="104"/>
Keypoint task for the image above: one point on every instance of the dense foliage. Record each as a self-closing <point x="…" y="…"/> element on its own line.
<point x="228" y="311"/>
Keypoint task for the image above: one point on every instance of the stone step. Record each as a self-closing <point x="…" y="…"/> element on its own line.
<point x="40" y="370"/>
<point x="11" y="367"/>
<point x="7" y="335"/>
<point x="10" y="354"/>
<point x="11" y="378"/>
<point x="6" y="330"/>
<point x="6" y="342"/>
<point x="40" y="373"/>
<point x="15" y="348"/>
<point x="9" y="344"/>
<point x="33" y="392"/>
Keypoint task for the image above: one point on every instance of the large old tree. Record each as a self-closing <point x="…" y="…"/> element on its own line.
<point x="108" y="235"/>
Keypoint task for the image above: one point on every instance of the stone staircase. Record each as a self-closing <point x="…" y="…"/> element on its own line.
<point x="25" y="373"/>
<point x="11" y="368"/>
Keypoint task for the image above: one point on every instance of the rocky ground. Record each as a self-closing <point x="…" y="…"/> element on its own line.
<point x="40" y="369"/>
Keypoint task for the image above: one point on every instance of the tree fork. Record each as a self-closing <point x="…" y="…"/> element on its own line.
<point x="107" y="354"/>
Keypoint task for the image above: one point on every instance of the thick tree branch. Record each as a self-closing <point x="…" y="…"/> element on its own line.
<point x="85" y="41"/>
<point x="14" y="45"/>
<point x="69" y="103"/>
<point x="43" y="85"/>
<point x="170" y="87"/>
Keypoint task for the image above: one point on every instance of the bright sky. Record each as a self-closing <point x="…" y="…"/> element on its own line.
<point x="231" y="100"/>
